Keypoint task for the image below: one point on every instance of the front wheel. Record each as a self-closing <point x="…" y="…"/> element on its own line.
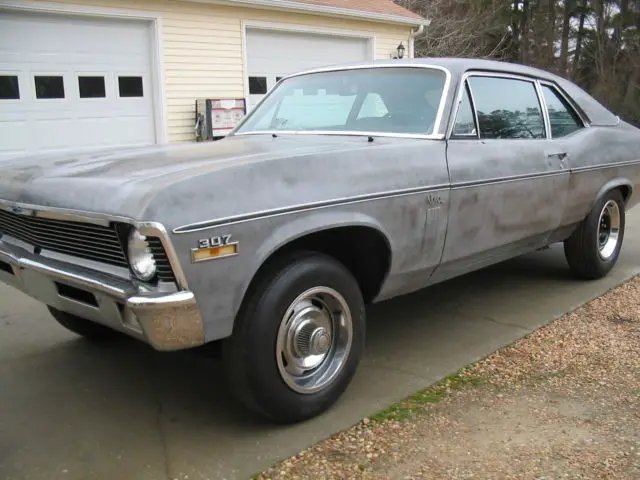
<point x="298" y="339"/>
<point x="593" y="249"/>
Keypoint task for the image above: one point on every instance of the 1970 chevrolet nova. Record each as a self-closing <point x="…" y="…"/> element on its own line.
<point x="344" y="186"/>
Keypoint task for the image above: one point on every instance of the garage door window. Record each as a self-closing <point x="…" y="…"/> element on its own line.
<point x="130" y="87"/>
<point x="9" y="88"/>
<point x="257" y="85"/>
<point x="49" y="86"/>
<point x="91" y="87"/>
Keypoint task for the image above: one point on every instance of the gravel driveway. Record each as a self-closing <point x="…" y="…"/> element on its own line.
<point x="563" y="402"/>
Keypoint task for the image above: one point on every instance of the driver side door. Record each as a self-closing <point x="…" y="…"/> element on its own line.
<point x="508" y="183"/>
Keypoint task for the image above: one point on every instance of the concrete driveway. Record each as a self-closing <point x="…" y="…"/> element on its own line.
<point x="69" y="410"/>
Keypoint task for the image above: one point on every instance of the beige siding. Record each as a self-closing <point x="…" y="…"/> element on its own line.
<point x="201" y="47"/>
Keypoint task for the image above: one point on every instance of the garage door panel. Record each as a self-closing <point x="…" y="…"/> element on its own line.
<point x="13" y="135"/>
<point x="284" y="52"/>
<point x="90" y="55"/>
<point x="272" y="54"/>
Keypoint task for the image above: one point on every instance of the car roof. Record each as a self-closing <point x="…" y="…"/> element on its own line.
<point x="597" y="113"/>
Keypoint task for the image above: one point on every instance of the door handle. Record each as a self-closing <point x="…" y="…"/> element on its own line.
<point x="560" y="155"/>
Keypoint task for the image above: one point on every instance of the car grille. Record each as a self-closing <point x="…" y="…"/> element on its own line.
<point x="78" y="239"/>
<point x="84" y="240"/>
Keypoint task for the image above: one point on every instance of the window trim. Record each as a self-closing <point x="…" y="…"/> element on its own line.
<point x="466" y="88"/>
<point x="504" y="75"/>
<point x="569" y="104"/>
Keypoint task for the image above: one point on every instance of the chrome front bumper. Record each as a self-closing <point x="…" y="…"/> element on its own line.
<point x="167" y="320"/>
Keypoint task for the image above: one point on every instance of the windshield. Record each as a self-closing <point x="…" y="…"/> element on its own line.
<point x="400" y="100"/>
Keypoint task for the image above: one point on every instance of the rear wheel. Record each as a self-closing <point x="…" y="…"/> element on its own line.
<point x="298" y="339"/>
<point x="593" y="249"/>
<point x="80" y="326"/>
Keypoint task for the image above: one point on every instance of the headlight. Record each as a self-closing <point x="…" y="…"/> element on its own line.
<point x="140" y="257"/>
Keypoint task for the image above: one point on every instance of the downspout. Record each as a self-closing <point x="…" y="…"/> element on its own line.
<point x="419" y="30"/>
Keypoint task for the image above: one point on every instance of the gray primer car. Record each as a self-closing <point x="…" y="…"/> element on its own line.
<point x="344" y="186"/>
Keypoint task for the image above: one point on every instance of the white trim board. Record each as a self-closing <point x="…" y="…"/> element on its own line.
<point x="159" y="95"/>
<point x="325" y="10"/>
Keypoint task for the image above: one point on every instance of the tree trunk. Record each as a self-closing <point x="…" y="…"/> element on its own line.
<point x="551" y="35"/>
<point x="579" y="37"/>
<point x="564" y="44"/>
<point x="524" y="45"/>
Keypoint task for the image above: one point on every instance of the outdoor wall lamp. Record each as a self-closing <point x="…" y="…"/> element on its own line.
<point x="399" y="53"/>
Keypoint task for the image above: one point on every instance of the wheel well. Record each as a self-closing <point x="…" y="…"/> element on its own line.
<point x="626" y="192"/>
<point x="364" y="251"/>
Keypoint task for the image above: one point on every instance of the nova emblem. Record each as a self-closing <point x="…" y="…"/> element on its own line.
<point x="434" y="200"/>
<point x="214" y="247"/>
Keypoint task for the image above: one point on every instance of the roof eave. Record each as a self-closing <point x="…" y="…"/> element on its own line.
<point x="291" y="5"/>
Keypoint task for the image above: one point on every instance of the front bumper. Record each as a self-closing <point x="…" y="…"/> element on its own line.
<point x="167" y="320"/>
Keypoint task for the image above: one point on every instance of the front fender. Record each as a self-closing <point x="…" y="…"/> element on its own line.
<point x="294" y="228"/>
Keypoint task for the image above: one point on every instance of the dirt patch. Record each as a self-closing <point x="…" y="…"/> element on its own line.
<point x="564" y="402"/>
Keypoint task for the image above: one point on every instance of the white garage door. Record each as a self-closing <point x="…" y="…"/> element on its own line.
<point x="73" y="82"/>
<point x="272" y="54"/>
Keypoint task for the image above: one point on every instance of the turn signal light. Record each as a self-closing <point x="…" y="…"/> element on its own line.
<point x="200" y="254"/>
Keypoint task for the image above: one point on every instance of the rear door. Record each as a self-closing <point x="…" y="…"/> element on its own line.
<point x="509" y="180"/>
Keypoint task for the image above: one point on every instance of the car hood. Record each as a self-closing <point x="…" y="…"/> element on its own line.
<point x="187" y="182"/>
<point x="123" y="181"/>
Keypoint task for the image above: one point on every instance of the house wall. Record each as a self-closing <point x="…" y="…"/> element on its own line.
<point x="201" y="48"/>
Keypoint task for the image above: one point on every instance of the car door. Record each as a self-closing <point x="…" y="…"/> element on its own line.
<point x="570" y="139"/>
<point x="509" y="181"/>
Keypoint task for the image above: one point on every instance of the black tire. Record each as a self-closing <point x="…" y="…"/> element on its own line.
<point x="582" y="250"/>
<point x="80" y="326"/>
<point x="249" y="355"/>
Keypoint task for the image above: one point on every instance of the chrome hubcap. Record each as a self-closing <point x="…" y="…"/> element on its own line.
<point x="314" y="339"/>
<point x="608" y="229"/>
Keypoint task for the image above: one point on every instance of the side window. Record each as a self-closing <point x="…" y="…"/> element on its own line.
<point x="507" y="108"/>
<point x="465" y="125"/>
<point x="561" y="116"/>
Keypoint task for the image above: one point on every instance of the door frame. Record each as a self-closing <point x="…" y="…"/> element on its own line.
<point x="157" y="64"/>
<point x="295" y="28"/>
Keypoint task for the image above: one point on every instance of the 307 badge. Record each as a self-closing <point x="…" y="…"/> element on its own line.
<point x="210" y="248"/>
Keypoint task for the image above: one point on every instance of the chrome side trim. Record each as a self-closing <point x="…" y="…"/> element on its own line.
<point x="439" y="114"/>
<point x="235" y="219"/>
<point x="348" y="133"/>
<point x="626" y="163"/>
<point x="512" y="178"/>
